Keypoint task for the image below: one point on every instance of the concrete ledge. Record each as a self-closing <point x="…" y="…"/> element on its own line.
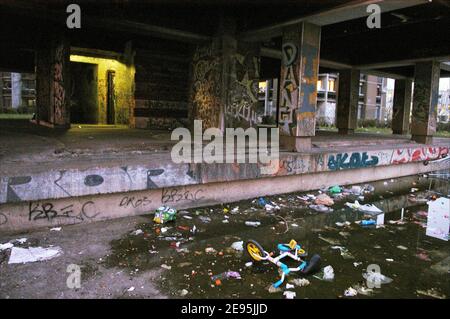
<point x="50" y="213"/>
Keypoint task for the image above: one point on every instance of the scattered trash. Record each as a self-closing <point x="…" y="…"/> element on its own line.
<point x="331" y="241"/>
<point x="56" y="229"/>
<point x="339" y="224"/>
<point x="227" y="275"/>
<point x="21" y="240"/>
<point x="328" y="273"/>
<point x="367" y="208"/>
<point x="33" y="254"/>
<point x="422" y="255"/>
<point x="187" y="217"/>
<point x="335" y="190"/>
<point x="165" y="214"/>
<point x="438" y="221"/>
<point x="289" y="286"/>
<point x="273" y="289"/>
<point x="363" y="290"/>
<point x="321" y="208"/>
<point x="413" y="190"/>
<point x="248" y="264"/>
<point x="6" y="246"/>
<point x="324" y="199"/>
<point x="289" y="294"/>
<point x="376" y="278"/>
<point x="357" y="264"/>
<point x="205" y="219"/>
<point x="344" y="252"/>
<point x="389" y="260"/>
<point x="183" y="292"/>
<point x="433" y="293"/>
<point x="166" y="266"/>
<point x="238" y="245"/>
<point x="368" y="222"/>
<point x="299" y="282"/>
<point x="130" y="289"/>
<point x="252" y="223"/>
<point x="137" y="232"/>
<point x="402" y="247"/>
<point x="350" y="292"/>
<point x="210" y="250"/>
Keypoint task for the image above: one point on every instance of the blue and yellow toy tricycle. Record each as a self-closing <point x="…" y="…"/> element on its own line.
<point x="292" y="250"/>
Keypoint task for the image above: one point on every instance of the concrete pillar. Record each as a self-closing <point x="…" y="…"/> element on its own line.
<point x="16" y="90"/>
<point x="224" y="85"/>
<point x="425" y="101"/>
<point x="347" y="104"/>
<point x="298" y="86"/>
<point x="402" y="106"/>
<point x="1" y="90"/>
<point x="52" y="82"/>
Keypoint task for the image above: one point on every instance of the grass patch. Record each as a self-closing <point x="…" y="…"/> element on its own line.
<point x="15" y="116"/>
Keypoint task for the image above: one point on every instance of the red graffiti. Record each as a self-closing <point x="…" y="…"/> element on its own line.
<point x="402" y="156"/>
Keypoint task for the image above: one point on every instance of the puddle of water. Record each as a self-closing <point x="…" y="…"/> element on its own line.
<point x="418" y="264"/>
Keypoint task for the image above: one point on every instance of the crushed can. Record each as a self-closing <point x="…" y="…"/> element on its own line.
<point x="164" y="214"/>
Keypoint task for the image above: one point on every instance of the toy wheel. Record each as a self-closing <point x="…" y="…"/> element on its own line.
<point x="255" y="250"/>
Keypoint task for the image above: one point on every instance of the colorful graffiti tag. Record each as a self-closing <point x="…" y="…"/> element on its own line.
<point x="402" y="156"/>
<point x="355" y="160"/>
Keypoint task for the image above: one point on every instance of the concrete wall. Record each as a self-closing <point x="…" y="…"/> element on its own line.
<point x="161" y="172"/>
<point x="124" y="87"/>
<point x="50" y="212"/>
<point x="162" y="76"/>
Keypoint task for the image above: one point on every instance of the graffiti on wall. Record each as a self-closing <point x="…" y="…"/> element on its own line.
<point x="402" y="156"/>
<point x="206" y="88"/>
<point x="288" y="85"/>
<point x="243" y="99"/>
<point x="354" y="160"/>
<point x="50" y="211"/>
<point x="72" y="183"/>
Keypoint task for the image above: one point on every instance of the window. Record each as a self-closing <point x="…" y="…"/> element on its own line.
<point x="319" y="85"/>
<point x="331" y="85"/>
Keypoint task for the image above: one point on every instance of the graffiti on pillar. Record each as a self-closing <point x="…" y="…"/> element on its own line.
<point x="206" y="87"/>
<point x="402" y="156"/>
<point x="58" y="86"/>
<point x="306" y="120"/>
<point x="355" y="160"/>
<point x="243" y="90"/>
<point x="289" y="86"/>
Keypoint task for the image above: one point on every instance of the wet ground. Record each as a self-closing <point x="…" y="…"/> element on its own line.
<point x="417" y="264"/>
<point x="180" y="259"/>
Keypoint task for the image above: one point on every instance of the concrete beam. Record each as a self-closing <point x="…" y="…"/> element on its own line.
<point x="345" y="12"/>
<point x="112" y="25"/>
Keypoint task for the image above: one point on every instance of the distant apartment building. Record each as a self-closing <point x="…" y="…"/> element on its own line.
<point x="372" y="98"/>
<point x="444" y="106"/>
<point x="17" y="90"/>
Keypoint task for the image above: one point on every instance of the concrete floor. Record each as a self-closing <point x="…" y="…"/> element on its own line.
<point x="23" y="145"/>
<point x="83" y="245"/>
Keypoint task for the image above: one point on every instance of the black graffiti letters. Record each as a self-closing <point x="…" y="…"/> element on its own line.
<point x="49" y="211"/>
<point x="174" y="195"/>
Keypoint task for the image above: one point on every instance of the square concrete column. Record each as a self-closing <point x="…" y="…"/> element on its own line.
<point x="52" y="82"/>
<point x="425" y="101"/>
<point x="402" y="106"/>
<point x="298" y="85"/>
<point x="347" y="104"/>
